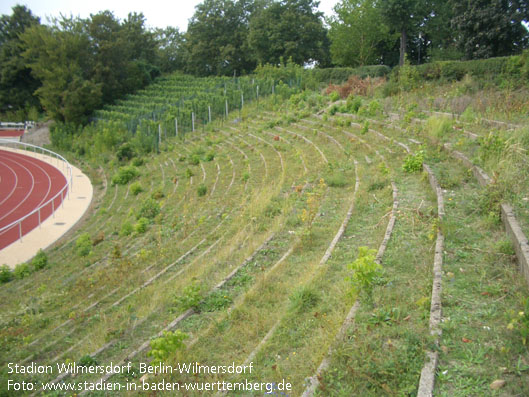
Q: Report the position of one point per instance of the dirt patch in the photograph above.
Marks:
(38, 135)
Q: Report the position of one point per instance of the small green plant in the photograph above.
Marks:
(158, 194)
(40, 260)
(83, 245)
(21, 270)
(365, 128)
(366, 271)
(141, 226)
(353, 103)
(189, 173)
(210, 156)
(137, 161)
(520, 322)
(136, 188)
(165, 346)
(309, 213)
(245, 176)
(87, 361)
(6, 274)
(149, 209)
(202, 190)
(125, 175)
(303, 299)
(413, 162)
(190, 298)
(194, 160)
(126, 229)
(217, 300)
(334, 96)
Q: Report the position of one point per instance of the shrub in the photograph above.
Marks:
(189, 173)
(40, 260)
(6, 274)
(413, 162)
(210, 156)
(141, 226)
(158, 194)
(87, 361)
(202, 190)
(21, 270)
(83, 245)
(190, 298)
(137, 162)
(353, 103)
(136, 188)
(125, 152)
(194, 160)
(125, 175)
(167, 345)
(366, 271)
(334, 96)
(126, 229)
(149, 209)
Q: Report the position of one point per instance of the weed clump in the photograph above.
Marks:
(413, 162)
(83, 245)
(366, 271)
(125, 175)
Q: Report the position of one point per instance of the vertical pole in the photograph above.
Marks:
(159, 134)
(226, 108)
(257, 95)
(209, 113)
(176, 126)
(242, 100)
(193, 121)
(273, 88)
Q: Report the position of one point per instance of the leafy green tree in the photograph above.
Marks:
(216, 39)
(170, 49)
(60, 57)
(358, 33)
(289, 29)
(404, 17)
(17, 85)
(490, 28)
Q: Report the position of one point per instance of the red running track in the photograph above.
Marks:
(26, 183)
(11, 133)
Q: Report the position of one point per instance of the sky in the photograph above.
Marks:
(159, 13)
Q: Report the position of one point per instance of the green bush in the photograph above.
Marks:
(6, 274)
(136, 188)
(217, 300)
(137, 161)
(210, 156)
(21, 270)
(141, 226)
(202, 190)
(125, 175)
(366, 271)
(413, 162)
(162, 348)
(40, 260)
(83, 245)
(126, 229)
(190, 298)
(125, 152)
(194, 160)
(149, 209)
(353, 103)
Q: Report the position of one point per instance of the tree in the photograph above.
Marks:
(170, 49)
(490, 28)
(17, 85)
(289, 29)
(60, 57)
(216, 39)
(404, 17)
(358, 33)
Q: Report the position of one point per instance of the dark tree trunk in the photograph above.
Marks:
(403, 39)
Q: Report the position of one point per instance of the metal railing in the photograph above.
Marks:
(65, 191)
